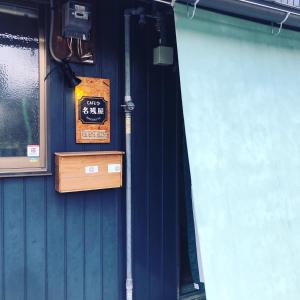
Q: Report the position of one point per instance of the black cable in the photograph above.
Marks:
(50, 72)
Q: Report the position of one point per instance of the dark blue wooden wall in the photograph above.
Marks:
(155, 156)
(72, 246)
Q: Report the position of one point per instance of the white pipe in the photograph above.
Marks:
(18, 11)
(248, 2)
(128, 107)
(165, 2)
(51, 33)
(270, 7)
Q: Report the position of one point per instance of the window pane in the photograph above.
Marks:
(19, 85)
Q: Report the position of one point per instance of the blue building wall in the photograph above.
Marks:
(72, 246)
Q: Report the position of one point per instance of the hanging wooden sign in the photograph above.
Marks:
(92, 107)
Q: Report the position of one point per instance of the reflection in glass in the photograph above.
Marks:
(19, 85)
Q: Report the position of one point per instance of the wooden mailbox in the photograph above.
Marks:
(84, 171)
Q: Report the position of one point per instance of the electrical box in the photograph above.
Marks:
(77, 20)
(84, 171)
(163, 56)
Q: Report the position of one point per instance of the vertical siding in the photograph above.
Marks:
(155, 151)
(72, 246)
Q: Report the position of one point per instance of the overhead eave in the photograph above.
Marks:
(260, 10)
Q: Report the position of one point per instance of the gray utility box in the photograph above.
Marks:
(77, 20)
(163, 56)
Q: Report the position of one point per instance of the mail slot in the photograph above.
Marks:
(84, 171)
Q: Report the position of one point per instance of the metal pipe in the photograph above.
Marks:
(18, 11)
(128, 108)
(270, 7)
(247, 2)
(51, 33)
(164, 2)
(127, 56)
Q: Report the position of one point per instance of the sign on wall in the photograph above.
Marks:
(92, 106)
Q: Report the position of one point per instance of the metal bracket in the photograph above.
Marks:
(128, 104)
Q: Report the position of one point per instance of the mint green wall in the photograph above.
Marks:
(241, 101)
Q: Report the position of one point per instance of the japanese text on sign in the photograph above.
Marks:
(93, 110)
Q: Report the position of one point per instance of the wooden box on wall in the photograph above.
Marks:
(84, 171)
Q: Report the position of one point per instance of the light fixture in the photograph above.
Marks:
(69, 75)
